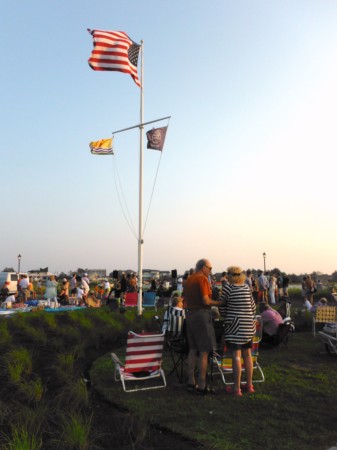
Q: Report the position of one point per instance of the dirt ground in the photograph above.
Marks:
(119, 430)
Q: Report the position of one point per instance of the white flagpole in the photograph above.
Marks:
(140, 228)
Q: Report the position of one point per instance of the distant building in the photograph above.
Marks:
(149, 274)
(39, 274)
(165, 274)
(95, 274)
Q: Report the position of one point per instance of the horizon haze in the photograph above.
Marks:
(248, 164)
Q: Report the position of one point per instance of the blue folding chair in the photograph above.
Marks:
(150, 300)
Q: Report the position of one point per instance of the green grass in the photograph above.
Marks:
(5, 336)
(22, 439)
(76, 432)
(33, 417)
(27, 331)
(74, 396)
(18, 363)
(299, 391)
(32, 389)
(44, 402)
(44, 359)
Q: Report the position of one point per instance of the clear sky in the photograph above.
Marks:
(249, 164)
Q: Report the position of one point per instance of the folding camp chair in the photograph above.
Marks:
(323, 314)
(281, 336)
(142, 362)
(329, 340)
(150, 300)
(334, 296)
(223, 363)
(285, 308)
(173, 321)
(175, 339)
(219, 331)
(131, 299)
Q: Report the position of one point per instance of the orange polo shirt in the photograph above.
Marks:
(196, 288)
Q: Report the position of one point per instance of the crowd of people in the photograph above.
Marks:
(77, 290)
(236, 304)
(25, 290)
(239, 300)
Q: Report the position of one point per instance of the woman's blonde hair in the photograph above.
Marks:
(236, 275)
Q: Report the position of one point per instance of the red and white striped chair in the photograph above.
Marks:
(142, 362)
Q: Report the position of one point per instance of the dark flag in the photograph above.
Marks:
(156, 138)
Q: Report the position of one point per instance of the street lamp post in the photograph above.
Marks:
(19, 260)
(264, 261)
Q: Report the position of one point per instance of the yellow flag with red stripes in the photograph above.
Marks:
(102, 147)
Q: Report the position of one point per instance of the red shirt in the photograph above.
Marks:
(196, 288)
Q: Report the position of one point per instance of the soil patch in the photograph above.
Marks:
(116, 427)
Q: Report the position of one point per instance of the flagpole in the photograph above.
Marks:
(140, 228)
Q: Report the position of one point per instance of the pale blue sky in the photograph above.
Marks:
(249, 161)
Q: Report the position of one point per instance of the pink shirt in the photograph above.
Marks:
(271, 319)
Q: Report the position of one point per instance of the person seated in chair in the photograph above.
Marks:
(4, 293)
(321, 302)
(175, 310)
(271, 320)
(92, 301)
(320, 326)
(177, 303)
(10, 300)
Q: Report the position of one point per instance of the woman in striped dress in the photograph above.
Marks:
(239, 321)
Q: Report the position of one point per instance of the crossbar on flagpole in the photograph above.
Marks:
(141, 125)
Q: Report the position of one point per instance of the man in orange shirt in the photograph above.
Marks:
(199, 325)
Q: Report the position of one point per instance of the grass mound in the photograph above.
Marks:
(299, 391)
(49, 360)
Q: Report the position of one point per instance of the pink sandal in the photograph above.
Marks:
(249, 390)
(230, 390)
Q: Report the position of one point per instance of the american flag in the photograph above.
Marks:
(114, 50)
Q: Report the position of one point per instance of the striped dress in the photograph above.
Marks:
(238, 312)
